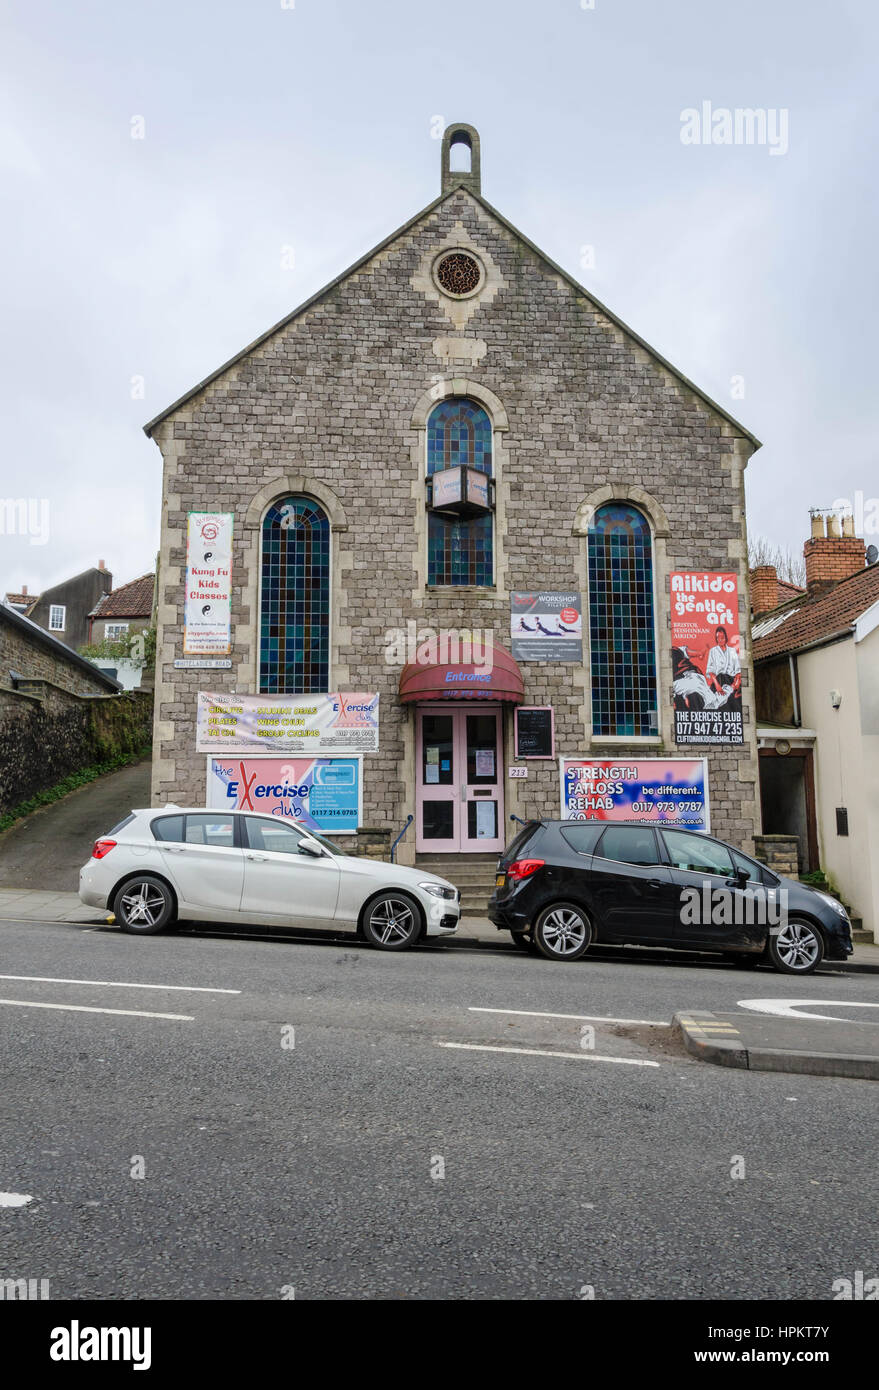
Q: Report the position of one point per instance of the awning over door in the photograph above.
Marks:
(502, 680)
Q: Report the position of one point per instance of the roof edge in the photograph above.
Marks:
(401, 231)
(39, 634)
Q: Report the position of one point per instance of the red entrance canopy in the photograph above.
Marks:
(501, 680)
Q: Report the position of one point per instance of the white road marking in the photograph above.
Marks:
(585, 1018)
(541, 1052)
(119, 984)
(790, 1008)
(14, 1199)
(85, 1009)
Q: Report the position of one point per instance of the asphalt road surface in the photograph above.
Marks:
(430, 1128)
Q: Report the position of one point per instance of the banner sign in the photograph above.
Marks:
(317, 793)
(207, 620)
(287, 723)
(706, 657)
(547, 627)
(671, 791)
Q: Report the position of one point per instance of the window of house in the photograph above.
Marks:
(294, 650)
(460, 550)
(57, 617)
(621, 623)
(113, 631)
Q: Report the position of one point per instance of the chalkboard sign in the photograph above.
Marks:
(534, 731)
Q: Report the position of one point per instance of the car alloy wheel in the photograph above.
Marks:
(562, 932)
(797, 948)
(391, 922)
(143, 906)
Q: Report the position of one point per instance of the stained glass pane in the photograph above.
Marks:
(294, 657)
(621, 630)
(459, 552)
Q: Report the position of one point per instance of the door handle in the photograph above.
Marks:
(175, 849)
(463, 791)
(656, 883)
(257, 858)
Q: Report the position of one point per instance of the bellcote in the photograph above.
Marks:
(467, 135)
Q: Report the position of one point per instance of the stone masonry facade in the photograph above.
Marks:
(334, 404)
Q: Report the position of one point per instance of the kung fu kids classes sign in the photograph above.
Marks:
(706, 657)
(207, 612)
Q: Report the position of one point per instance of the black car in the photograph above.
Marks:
(562, 885)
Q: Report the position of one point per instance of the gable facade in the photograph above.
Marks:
(335, 406)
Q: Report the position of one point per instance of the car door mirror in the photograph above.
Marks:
(309, 847)
(740, 877)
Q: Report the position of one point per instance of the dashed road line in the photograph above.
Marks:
(584, 1018)
(86, 1009)
(542, 1052)
(119, 984)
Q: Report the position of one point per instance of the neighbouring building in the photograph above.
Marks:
(64, 609)
(20, 602)
(50, 725)
(452, 422)
(816, 656)
(118, 616)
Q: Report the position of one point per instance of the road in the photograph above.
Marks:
(403, 1147)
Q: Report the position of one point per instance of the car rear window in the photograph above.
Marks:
(168, 828)
(516, 845)
(582, 836)
(122, 824)
(629, 844)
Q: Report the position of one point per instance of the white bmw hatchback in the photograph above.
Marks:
(176, 863)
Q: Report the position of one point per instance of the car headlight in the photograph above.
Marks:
(835, 904)
(439, 890)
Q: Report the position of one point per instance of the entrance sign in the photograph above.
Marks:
(649, 791)
(287, 723)
(547, 626)
(207, 614)
(317, 793)
(534, 731)
(706, 657)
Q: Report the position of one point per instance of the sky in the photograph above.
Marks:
(176, 177)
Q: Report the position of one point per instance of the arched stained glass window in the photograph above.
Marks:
(459, 551)
(621, 627)
(294, 638)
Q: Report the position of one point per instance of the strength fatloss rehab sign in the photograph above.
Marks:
(287, 723)
(207, 620)
(706, 657)
(670, 791)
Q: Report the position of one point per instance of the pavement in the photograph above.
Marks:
(208, 1114)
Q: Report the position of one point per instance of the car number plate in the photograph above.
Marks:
(500, 880)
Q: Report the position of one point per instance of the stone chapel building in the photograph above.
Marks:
(594, 468)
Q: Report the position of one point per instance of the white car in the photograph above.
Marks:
(244, 868)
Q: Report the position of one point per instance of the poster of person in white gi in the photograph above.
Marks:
(706, 658)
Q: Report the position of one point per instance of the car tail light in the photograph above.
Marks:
(524, 868)
(102, 847)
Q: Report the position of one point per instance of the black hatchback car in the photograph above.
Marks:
(562, 885)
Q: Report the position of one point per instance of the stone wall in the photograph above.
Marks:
(335, 405)
(27, 655)
(47, 733)
(779, 853)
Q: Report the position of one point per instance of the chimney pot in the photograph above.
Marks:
(848, 525)
(833, 527)
(101, 565)
(817, 525)
(24, 588)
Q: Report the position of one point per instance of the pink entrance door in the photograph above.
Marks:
(459, 786)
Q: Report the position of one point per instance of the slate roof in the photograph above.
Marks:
(804, 621)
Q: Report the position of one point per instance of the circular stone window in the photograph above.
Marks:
(458, 274)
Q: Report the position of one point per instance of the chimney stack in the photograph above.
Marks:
(832, 553)
(764, 588)
(24, 589)
(101, 565)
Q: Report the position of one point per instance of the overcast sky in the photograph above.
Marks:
(269, 124)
